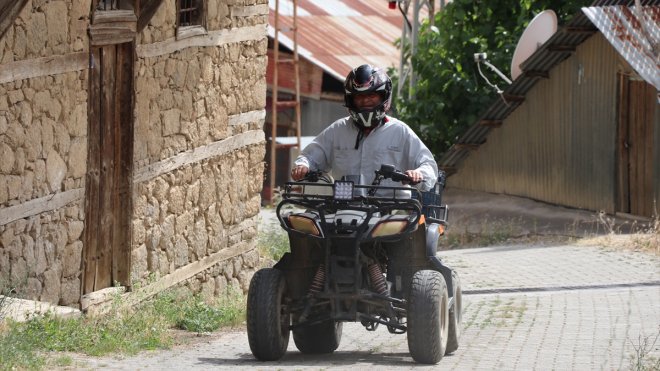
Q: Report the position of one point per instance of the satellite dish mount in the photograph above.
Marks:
(536, 34)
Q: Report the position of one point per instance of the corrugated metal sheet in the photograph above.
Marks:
(559, 47)
(559, 145)
(339, 35)
(632, 37)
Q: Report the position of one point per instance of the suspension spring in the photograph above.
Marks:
(377, 279)
(318, 281)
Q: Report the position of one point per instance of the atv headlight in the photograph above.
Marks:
(304, 224)
(343, 190)
(389, 227)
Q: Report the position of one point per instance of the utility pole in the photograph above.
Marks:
(409, 36)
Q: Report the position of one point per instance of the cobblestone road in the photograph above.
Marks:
(543, 308)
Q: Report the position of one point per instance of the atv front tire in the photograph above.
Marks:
(428, 317)
(267, 323)
(321, 338)
(455, 316)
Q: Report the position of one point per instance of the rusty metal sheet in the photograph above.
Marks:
(340, 35)
(634, 38)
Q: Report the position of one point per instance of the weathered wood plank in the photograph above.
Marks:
(199, 154)
(213, 38)
(92, 202)
(190, 270)
(247, 117)
(112, 16)
(46, 66)
(108, 176)
(147, 10)
(249, 10)
(9, 10)
(40, 205)
(137, 295)
(623, 201)
(121, 262)
(190, 31)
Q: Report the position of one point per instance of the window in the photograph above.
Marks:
(114, 5)
(190, 13)
(191, 18)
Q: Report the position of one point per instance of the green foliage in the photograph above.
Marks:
(121, 331)
(198, 316)
(450, 95)
(273, 243)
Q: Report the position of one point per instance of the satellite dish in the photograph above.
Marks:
(538, 32)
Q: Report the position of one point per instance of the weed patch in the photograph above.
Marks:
(25, 345)
(272, 243)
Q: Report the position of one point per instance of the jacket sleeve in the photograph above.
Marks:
(422, 159)
(317, 154)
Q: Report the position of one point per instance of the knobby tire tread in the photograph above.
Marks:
(267, 341)
(455, 317)
(424, 332)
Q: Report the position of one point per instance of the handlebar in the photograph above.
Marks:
(389, 171)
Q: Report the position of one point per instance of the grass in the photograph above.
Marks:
(152, 325)
(645, 239)
(642, 360)
(272, 243)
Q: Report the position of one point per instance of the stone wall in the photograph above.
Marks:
(46, 28)
(43, 147)
(193, 223)
(184, 102)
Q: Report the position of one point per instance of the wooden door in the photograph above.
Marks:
(635, 146)
(110, 160)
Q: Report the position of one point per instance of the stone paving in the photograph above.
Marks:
(525, 308)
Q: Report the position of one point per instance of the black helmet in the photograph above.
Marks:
(368, 79)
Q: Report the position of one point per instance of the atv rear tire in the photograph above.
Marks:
(455, 316)
(321, 338)
(267, 323)
(428, 317)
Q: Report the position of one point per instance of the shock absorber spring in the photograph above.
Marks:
(377, 279)
(318, 281)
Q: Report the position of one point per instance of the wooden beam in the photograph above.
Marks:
(536, 73)
(449, 170)
(111, 27)
(468, 146)
(584, 30)
(46, 66)
(561, 48)
(491, 123)
(247, 117)
(248, 11)
(189, 271)
(213, 38)
(113, 16)
(147, 10)
(9, 10)
(199, 154)
(513, 98)
(40, 205)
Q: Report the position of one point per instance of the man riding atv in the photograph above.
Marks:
(360, 252)
(360, 143)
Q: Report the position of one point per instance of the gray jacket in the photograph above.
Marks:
(392, 143)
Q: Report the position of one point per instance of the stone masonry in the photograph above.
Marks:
(192, 99)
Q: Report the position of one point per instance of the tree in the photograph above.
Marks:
(450, 95)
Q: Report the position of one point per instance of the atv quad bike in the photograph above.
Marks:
(359, 253)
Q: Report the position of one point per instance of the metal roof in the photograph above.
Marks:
(339, 35)
(559, 47)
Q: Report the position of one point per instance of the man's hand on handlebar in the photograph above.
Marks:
(299, 172)
(414, 175)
